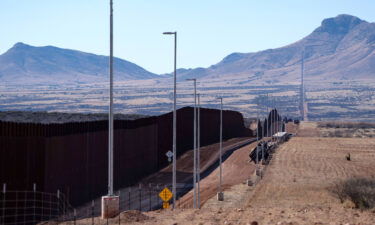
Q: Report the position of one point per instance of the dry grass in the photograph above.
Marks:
(361, 191)
(346, 129)
(349, 125)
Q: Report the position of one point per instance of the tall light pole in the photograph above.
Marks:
(302, 88)
(258, 122)
(174, 118)
(274, 114)
(195, 144)
(110, 203)
(110, 136)
(199, 153)
(268, 122)
(220, 194)
(257, 108)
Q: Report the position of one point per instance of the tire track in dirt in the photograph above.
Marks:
(303, 168)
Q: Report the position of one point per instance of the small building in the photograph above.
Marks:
(281, 136)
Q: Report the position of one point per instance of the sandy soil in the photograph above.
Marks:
(295, 188)
(236, 169)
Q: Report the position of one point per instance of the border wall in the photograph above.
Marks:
(73, 157)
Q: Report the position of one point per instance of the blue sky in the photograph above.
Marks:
(208, 30)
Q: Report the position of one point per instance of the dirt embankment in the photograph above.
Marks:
(208, 155)
(236, 169)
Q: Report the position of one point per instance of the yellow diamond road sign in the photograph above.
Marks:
(165, 194)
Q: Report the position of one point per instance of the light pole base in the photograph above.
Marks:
(220, 196)
(110, 206)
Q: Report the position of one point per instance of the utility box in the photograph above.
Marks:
(220, 196)
(110, 206)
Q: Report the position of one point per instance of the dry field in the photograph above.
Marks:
(296, 189)
(349, 100)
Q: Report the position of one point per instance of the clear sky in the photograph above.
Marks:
(208, 30)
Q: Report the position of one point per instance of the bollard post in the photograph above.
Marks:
(50, 207)
(24, 207)
(149, 190)
(75, 214)
(58, 204)
(34, 189)
(16, 202)
(4, 193)
(107, 211)
(129, 197)
(157, 191)
(42, 196)
(92, 212)
(119, 214)
(140, 198)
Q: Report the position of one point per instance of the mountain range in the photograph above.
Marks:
(342, 48)
(25, 63)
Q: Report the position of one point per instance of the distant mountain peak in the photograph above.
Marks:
(340, 24)
(232, 57)
(20, 45)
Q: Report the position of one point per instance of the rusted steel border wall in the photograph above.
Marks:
(72, 157)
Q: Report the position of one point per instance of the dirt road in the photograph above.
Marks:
(236, 169)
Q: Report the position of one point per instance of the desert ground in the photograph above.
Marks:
(298, 185)
(346, 100)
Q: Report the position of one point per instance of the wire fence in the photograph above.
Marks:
(142, 198)
(33, 207)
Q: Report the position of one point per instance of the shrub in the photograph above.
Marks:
(361, 191)
(349, 125)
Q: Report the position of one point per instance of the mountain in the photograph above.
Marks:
(25, 63)
(342, 48)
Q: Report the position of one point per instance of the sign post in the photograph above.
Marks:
(165, 195)
(169, 154)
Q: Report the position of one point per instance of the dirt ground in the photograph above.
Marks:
(208, 155)
(235, 169)
(295, 189)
